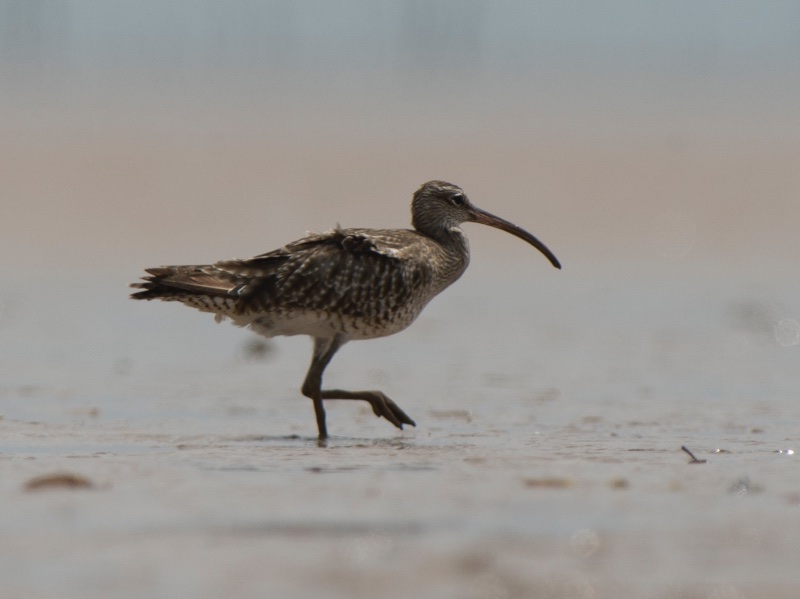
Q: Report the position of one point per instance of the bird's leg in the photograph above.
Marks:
(324, 348)
(381, 404)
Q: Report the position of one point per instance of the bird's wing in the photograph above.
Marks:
(348, 271)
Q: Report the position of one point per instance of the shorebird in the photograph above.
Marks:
(342, 285)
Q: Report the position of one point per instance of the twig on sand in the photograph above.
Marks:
(694, 460)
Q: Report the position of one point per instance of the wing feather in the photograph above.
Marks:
(368, 274)
(354, 272)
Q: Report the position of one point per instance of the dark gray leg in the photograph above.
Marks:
(324, 349)
(381, 404)
(323, 352)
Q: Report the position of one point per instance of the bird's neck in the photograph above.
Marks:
(454, 248)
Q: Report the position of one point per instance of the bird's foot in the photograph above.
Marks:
(383, 406)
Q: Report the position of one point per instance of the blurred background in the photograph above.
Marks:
(653, 146)
(622, 132)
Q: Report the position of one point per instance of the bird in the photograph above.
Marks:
(340, 285)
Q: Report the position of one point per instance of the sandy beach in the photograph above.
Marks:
(546, 462)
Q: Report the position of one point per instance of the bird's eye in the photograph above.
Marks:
(457, 199)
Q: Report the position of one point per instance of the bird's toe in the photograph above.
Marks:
(400, 414)
(385, 407)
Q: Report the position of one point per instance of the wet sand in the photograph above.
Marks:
(546, 462)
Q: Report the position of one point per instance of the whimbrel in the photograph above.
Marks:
(341, 285)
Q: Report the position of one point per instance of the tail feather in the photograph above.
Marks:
(179, 282)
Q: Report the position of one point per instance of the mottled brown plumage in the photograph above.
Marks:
(341, 285)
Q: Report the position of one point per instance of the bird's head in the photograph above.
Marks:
(439, 206)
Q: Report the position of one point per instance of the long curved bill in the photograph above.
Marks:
(485, 218)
